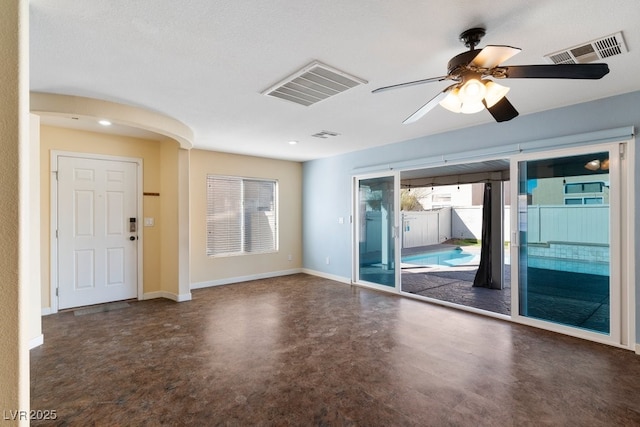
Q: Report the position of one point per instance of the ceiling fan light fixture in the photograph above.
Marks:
(495, 92)
(452, 101)
(472, 107)
(457, 103)
(472, 70)
(596, 164)
(472, 91)
(593, 165)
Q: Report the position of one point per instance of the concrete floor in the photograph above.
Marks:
(302, 350)
(455, 285)
(573, 299)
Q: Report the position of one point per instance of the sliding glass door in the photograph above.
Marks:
(376, 230)
(567, 241)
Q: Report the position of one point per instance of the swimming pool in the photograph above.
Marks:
(449, 258)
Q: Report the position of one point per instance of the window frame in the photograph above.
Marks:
(585, 200)
(242, 212)
(567, 185)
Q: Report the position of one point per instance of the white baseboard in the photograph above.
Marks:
(167, 295)
(184, 297)
(333, 277)
(46, 311)
(239, 279)
(36, 342)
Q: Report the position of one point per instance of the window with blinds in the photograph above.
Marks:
(241, 216)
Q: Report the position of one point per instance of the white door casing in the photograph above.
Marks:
(97, 259)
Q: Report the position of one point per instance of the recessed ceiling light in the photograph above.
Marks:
(105, 122)
(292, 142)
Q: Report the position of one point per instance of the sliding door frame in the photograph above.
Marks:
(355, 274)
(621, 205)
(586, 142)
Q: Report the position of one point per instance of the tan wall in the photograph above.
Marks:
(161, 242)
(289, 175)
(154, 158)
(14, 201)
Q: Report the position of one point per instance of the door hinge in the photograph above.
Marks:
(622, 151)
(56, 233)
(56, 291)
(56, 174)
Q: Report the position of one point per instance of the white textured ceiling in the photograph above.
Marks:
(206, 62)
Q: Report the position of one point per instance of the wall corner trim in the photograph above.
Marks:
(36, 342)
(183, 297)
(167, 295)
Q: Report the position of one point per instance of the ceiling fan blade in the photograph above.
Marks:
(559, 71)
(428, 106)
(492, 56)
(414, 83)
(502, 110)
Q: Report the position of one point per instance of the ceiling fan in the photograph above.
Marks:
(473, 91)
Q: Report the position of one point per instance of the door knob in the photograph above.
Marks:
(132, 238)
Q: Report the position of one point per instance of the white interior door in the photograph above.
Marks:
(97, 231)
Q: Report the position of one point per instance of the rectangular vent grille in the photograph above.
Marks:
(312, 84)
(595, 50)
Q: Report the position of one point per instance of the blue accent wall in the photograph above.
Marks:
(327, 182)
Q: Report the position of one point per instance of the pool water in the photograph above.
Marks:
(450, 258)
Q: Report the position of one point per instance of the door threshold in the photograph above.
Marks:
(98, 308)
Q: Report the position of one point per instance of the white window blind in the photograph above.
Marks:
(241, 216)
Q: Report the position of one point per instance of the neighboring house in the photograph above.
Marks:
(463, 195)
(572, 190)
(451, 195)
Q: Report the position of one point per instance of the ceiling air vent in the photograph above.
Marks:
(313, 83)
(595, 50)
(324, 134)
